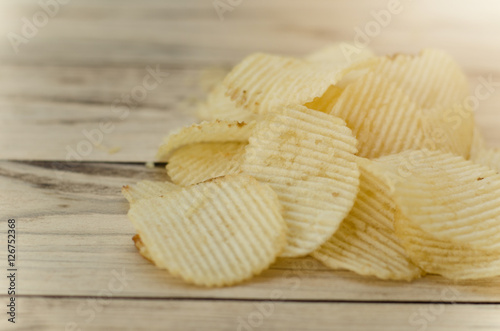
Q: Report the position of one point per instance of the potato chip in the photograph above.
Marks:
(147, 189)
(449, 219)
(478, 144)
(489, 157)
(381, 116)
(216, 233)
(448, 130)
(262, 83)
(218, 106)
(205, 132)
(386, 121)
(366, 242)
(482, 154)
(307, 157)
(197, 163)
(432, 79)
(142, 248)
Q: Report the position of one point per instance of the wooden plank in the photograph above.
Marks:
(74, 236)
(46, 117)
(89, 314)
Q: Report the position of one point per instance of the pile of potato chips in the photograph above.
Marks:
(370, 164)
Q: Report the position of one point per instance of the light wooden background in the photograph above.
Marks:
(73, 235)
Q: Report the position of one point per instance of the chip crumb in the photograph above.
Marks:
(114, 150)
(150, 165)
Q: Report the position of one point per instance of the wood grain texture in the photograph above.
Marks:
(74, 237)
(117, 314)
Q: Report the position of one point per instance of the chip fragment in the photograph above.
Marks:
(307, 157)
(449, 213)
(147, 189)
(205, 132)
(219, 106)
(142, 248)
(216, 233)
(197, 163)
(366, 242)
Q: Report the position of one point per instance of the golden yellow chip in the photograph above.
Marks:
(263, 83)
(307, 157)
(147, 189)
(449, 219)
(366, 242)
(216, 233)
(197, 163)
(205, 132)
(219, 106)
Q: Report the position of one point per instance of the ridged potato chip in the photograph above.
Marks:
(432, 78)
(307, 157)
(216, 233)
(449, 212)
(147, 189)
(382, 118)
(197, 163)
(205, 132)
(262, 83)
(366, 242)
(386, 121)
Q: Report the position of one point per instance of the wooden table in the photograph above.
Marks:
(77, 266)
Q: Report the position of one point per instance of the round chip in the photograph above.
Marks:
(197, 163)
(215, 233)
(449, 219)
(431, 79)
(382, 118)
(205, 132)
(147, 189)
(366, 242)
(386, 121)
(307, 157)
